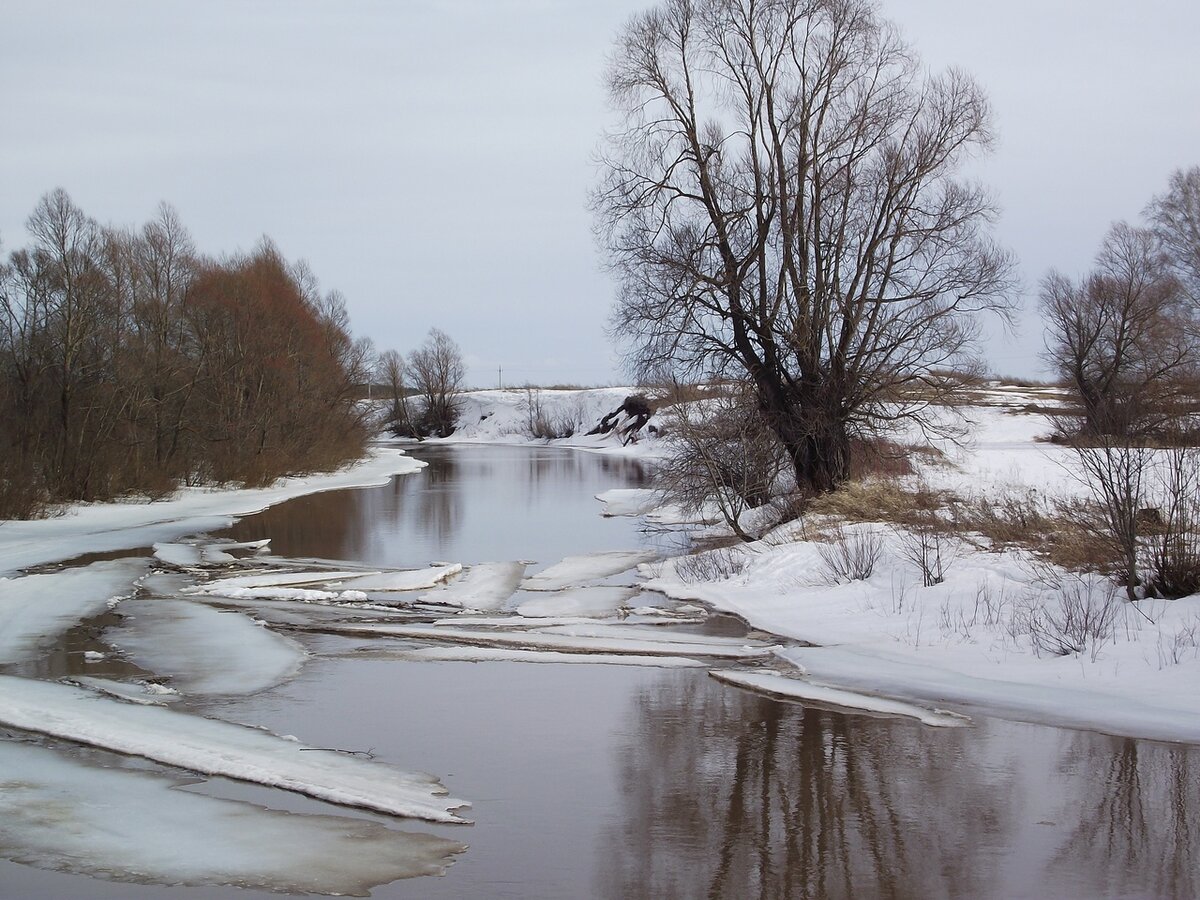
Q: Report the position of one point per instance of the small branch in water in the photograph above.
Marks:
(366, 754)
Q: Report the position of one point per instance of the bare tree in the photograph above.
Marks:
(437, 371)
(391, 371)
(1175, 218)
(1123, 338)
(780, 204)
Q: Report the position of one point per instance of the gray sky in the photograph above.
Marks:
(431, 158)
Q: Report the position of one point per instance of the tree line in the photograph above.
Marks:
(129, 362)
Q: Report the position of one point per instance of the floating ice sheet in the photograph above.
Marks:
(603, 600)
(577, 570)
(484, 587)
(630, 501)
(205, 650)
(136, 827)
(649, 645)
(796, 689)
(143, 692)
(35, 609)
(409, 580)
(219, 748)
(504, 654)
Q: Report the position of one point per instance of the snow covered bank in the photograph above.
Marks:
(219, 748)
(101, 527)
(136, 827)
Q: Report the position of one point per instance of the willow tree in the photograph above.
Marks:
(782, 203)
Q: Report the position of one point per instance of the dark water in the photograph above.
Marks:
(615, 782)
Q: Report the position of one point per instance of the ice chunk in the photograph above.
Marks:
(577, 570)
(271, 579)
(205, 650)
(583, 601)
(410, 580)
(219, 748)
(146, 693)
(719, 648)
(795, 689)
(484, 587)
(504, 654)
(630, 501)
(137, 827)
(35, 609)
(182, 556)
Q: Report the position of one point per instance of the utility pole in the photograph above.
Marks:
(500, 377)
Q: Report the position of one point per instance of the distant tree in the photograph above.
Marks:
(780, 203)
(436, 370)
(1175, 218)
(391, 371)
(1124, 337)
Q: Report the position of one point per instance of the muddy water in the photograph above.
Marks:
(616, 782)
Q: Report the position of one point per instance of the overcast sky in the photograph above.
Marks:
(431, 158)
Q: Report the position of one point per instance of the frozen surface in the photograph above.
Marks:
(503, 654)
(484, 587)
(205, 650)
(101, 527)
(578, 570)
(795, 689)
(141, 692)
(219, 748)
(36, 609)
(630, 501)
(182, 556)
(410, 580)
(652, 644)
(603, 600)
(272, 579)
(137, 827)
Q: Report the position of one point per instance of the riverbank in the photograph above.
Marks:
(85, 528)
(1003, 633)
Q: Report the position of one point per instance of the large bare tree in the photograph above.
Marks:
(781, 203)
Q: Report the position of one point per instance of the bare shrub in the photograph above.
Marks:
(1174, 566)
(929, 546)
(543, 425)
(1083, 620)
(436, 369)
(851, 554)
(1179, 645)
(722, 454)
(720, 564)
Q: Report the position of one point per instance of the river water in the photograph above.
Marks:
(625, 782)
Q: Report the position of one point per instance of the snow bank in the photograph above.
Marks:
(204, 650)
(36, 609)
(101, 527)
(136, 827)
(218, 748)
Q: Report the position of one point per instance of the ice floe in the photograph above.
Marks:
(649, 643)
(36, 609)
(630, 501)
(205, 650)
(504, 654)
(789, 688)
(138, 827)
(602, 600)
(147, 693)
(219, 748)
(484, 587)
(407, 580)
(578, 570)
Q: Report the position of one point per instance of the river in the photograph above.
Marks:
(630, 782)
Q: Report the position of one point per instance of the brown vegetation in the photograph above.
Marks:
(129, 364)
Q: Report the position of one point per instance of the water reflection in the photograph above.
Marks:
(725, 794)
(470, 504)
(1137, 820)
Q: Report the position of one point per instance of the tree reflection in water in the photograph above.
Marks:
(726, 794)
(1138, 819)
